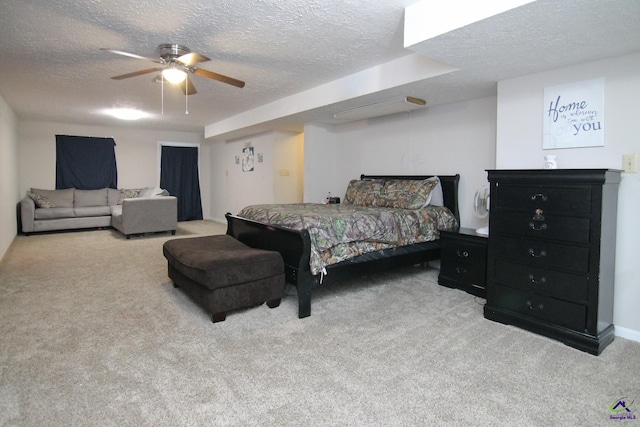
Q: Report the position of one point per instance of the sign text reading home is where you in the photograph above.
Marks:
(573, 115)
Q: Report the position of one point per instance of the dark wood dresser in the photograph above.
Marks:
(551, 253)
(463, 261)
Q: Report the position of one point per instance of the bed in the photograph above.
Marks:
(303, 243)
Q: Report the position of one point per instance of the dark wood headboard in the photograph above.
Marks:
(449, 187)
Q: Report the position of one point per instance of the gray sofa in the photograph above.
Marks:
(133, 211)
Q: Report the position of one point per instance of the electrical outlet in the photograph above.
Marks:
(630, 163)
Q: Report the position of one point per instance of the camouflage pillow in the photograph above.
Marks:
(128, 194)
(406, 194)
(362, 192)
(40, 200)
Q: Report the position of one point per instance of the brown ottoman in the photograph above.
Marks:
(223, 274)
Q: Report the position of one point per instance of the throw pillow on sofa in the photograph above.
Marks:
(152, 192)
(40, 200)
(60, 198)
(140, 192)
(128, 194)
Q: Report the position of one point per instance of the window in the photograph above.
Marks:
(85, 163)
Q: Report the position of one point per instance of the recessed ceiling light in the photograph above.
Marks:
(126, 113)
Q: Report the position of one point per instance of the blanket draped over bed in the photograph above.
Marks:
(342, 231)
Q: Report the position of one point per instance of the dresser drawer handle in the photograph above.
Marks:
(462, 254)
(539, 255)
(461, 270)
(539, 196)
(532, 225)
(533, 307)
(533, 280)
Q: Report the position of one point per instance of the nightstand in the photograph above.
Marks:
(463, 261)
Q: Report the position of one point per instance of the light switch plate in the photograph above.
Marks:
(630, 163)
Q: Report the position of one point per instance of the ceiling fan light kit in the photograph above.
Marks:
(174, 75)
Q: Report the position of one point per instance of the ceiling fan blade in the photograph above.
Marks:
(219, 77)
(136, 73)
(192, 58)
(132, 55)
(190, 87)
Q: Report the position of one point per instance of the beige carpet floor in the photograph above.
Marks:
(92, 333)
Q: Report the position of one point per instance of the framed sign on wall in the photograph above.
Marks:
(573, 115)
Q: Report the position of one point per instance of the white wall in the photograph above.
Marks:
(9, 188)
(445, 140)
(288, 157)
(232, 188)
(321, 163)
(519, 146)
(136, 154)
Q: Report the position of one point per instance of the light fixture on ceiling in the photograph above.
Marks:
(173, 74)
(126, 113)
(382, 108)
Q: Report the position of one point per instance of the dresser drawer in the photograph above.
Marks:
(570, 287)
(541, 254)
(574, 200)
(471, 274)
(561, 313)
(540, 225)
(457, 251)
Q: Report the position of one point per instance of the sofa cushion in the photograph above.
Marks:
(92, 211)
(84, 198)
(113, 195)
(54, 213)
(60, 198)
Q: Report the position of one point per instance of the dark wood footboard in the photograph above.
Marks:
(293, 245)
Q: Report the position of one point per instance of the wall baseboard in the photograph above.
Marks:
(220, 220)
(627, 333)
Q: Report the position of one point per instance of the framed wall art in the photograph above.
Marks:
(573, 115)
(247, 159)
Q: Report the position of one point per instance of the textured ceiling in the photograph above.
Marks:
(52, 68)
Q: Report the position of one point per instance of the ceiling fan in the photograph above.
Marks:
(176, 62)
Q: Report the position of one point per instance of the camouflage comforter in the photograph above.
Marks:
(339, 232)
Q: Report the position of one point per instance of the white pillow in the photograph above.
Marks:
(436, 198)
(146, 192)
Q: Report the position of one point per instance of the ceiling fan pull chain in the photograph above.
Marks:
(186, 98)
(162, 94)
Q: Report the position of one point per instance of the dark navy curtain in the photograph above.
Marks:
(179, 176)
(85, 163)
